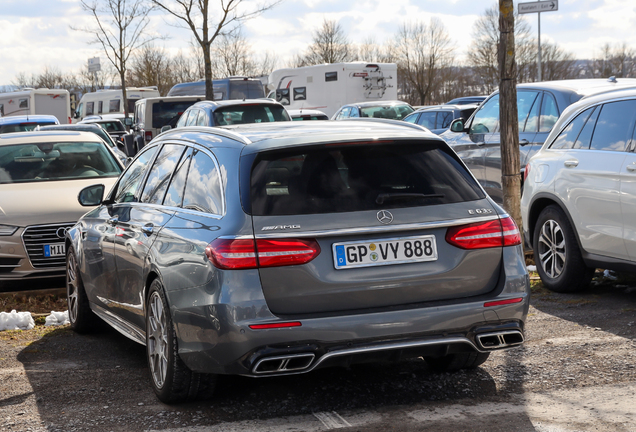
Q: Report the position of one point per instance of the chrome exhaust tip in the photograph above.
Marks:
(499, 340)
(283, 364)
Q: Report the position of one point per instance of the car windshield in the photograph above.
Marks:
(113, 126)
(253, 113)
(395, 112)
(359, 177)
(33, 162)
(23, 127)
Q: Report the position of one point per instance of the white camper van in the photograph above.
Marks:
(110, 101)
(327, 87)
(31, 101)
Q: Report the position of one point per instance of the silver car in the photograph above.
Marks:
(579, 196)
(41, 174)
(279, 248)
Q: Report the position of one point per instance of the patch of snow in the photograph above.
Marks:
(16, 321)
(56, 319)
(531, 268)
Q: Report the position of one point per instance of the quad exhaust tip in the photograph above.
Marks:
(284, 364)
(499, 340)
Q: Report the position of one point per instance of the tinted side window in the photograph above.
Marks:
(549, 113)
(183, 119)
(532, 123)
(202, 119)
(127, 188)
(100, 107)
(174, 196)
(614, 126)
(300, 93)
(90, 108)
(192, 118)
(583, 141)
(566, 138)
(427, 119)
(114, 105)
(487, 118)
(444, 119)
(160, 173)
(344, 113)
(412, 118)
(203, 188)
(525, 100)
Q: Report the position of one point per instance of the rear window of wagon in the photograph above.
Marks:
(357, 177)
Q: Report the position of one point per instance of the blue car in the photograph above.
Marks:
(25, 123)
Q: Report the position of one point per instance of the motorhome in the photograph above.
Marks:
(110, 101)
(327, 87)
(224, 89)
(31, 101)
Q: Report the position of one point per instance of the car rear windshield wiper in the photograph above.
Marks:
(404, 196)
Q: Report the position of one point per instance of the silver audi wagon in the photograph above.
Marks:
(279, 248)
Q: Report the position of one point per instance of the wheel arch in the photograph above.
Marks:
(538, 204)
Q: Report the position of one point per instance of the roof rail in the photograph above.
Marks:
(390, 121)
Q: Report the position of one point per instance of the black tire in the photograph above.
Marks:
(557, 254)
(170, 378)
(80, 315)
(457, 361)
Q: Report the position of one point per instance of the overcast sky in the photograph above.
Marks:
(35, 34)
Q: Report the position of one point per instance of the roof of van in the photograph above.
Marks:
(28, 119)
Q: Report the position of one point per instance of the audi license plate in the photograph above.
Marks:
(53, 250)
(384, 252)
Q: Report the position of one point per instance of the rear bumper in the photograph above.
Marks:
(215, 335)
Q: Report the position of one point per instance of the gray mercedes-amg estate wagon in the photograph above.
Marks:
(279, 248)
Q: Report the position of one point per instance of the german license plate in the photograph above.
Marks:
(53, 250)
(384, 252)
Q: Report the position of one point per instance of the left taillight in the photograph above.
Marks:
(481, 235)
(148, 136)
(234, 254)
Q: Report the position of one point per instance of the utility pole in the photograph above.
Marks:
(510, 165)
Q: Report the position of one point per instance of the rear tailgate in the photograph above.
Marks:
(380, 215)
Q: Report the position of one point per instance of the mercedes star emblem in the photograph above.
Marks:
(385, 217)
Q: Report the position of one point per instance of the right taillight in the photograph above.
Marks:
(526, 172)
(231, 254)
(148, 136)
(481, 235)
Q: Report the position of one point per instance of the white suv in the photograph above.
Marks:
(579, 196)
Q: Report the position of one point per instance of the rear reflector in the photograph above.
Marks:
(481, 235)
(275, 325)
(503, 302)
(148, 136)
(244, 254)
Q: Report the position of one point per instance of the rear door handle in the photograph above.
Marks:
(631, 168)
(571, 163)
(113, 221)
(524, 142)
(147, 229)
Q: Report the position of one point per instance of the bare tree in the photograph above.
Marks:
(120, 28)
(233, 55)
(556, 64)
(423, 52)
(371, 51)
(186, 68)
(151, 66)
(209, 20)
(330, 45)
(483, 55)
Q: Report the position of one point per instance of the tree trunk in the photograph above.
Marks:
(207, 62)
(124, 97)
(510, 172)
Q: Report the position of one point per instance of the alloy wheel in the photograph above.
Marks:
(551, 248)
(157, 339)
(71, 288)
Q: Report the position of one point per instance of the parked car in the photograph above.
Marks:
(232, 112)
(467, 100)
(41, 174)
(307, 114)
(579, 196)
(152, 114)
(394, 110)
(539, 105)
(113, 127)
(118, 147)
(275, 249)
(437, 118)
(25, 123)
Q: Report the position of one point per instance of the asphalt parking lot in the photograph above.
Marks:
(576, 372)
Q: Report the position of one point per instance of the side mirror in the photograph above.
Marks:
(129, 145)
(91, 195)
(166, 128)
(75, 114)
(128, 121)
(457, 125)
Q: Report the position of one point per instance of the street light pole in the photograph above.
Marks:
(539, 48)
